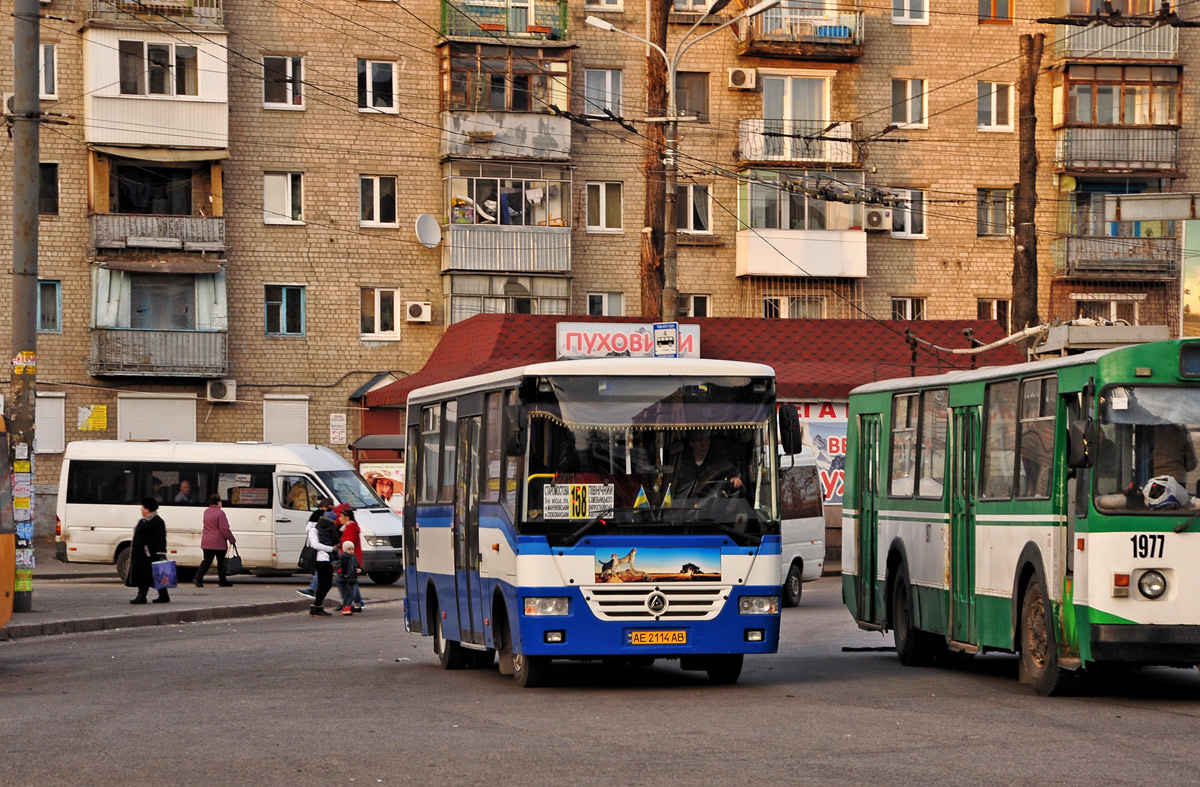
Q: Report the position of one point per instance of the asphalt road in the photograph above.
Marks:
(293, 700)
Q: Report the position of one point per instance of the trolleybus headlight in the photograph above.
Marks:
(1152, 584)
(547, 605)
(758, 605)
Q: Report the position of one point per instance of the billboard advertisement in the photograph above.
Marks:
(387, 479)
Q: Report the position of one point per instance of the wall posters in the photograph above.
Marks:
(827, 426)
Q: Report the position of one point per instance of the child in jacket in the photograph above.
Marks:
(347, 576)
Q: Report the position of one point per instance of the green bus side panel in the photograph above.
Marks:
(993, 622)
(850, 593)
(1085, 617)
(931, 609)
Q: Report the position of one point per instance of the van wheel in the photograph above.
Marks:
(792, 586)
(450, 654)
(123, 562)
(384, 577)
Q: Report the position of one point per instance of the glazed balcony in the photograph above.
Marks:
(535, 20)
(796, 141)
(1116, 150)
(506, 249)
(1109, 258)
(125, 352)
(140, 231)
(198, 13)
(805, 30)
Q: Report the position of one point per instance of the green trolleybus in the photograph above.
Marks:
(1050, 509)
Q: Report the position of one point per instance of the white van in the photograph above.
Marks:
(802, 523)
(267, 491)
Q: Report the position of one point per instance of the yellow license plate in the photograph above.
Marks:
(658, 638)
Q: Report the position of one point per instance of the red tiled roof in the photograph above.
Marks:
(813, 359)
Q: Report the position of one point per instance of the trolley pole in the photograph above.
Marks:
(26, 181)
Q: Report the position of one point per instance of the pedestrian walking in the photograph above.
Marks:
(348, 570)
(215, 539)
(324, 509)
(149, 544)
(322, 536)
(353, 533)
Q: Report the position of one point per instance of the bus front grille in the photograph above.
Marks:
(629, 602)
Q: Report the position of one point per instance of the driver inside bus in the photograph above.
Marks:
(705, 470)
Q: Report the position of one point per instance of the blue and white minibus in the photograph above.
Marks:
(624, 509)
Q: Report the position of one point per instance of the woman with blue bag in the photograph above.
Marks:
(149, 544)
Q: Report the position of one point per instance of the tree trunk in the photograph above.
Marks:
(651, 264)
(1025, 263)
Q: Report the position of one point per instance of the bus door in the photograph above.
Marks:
(964, 455)
(466, 531)
(296, 496)
(868, 517)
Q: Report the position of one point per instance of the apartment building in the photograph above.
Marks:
(228, 203)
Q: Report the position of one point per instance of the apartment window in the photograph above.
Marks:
(49, 306)
(500, 193)
(995, 11)
(49, 417)
(282, 80)
(994, 309)
(48, 189)
(1105, 307)
(377, 86)
(993, 212)
(908, 215)
(908, 102)
(994, 108)
(1124, 7)
(910, 12)
(472, 294)
(605, 304)
(602, 90)
(1117, 95)
(793, 307)
(48, 72)
(485, 78)
(781, 200)
(695, 305)
(153, 69)
(691, 6)
(693, 208)
(604, 207)
(604, 5)
(691, 94)
(908, 308)
(284, 310)
(377, 318)
(283, 198)
(377, 201)
(163, 301)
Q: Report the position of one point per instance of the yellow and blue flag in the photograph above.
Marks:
(667, 497)
(641, 501)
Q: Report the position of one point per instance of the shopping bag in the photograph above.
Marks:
(164, 573)
(233, 564)
(308, 559)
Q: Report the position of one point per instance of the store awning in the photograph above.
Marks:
(176, 155)
(379, 442)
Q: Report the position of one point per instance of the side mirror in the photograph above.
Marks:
(790, 433)
(1081, 441)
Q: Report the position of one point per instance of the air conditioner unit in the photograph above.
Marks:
(221, 391)
(877, 220)
(8, 108)
(418, 311)
(742, 78)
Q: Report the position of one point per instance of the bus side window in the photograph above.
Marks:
(449, 451)
(999, 440)
(904, 445)
(1039, 400)
(494, 447)
(108, 483)
(512, 462)
(245, 486)
(297, 493)
(431, 435)
(177, 483)
(932, 476)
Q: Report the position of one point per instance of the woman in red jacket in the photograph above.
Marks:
(215, 540)
(351, 532)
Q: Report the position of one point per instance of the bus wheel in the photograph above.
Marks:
(530, 671)
(915, 648)
(450, 654)
(724, 669)
(123, 562)
(792, 586)
(384, 577)
(1039, 654)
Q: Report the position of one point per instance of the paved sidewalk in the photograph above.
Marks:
(72, 597)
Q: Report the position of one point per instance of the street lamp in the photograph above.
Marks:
(670, 293)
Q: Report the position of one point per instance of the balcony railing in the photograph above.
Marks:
(511, 249)
(1099, 257)
(802, 253)
(1117, 149)
(523, 135)
(532, 19)
(209, 13)
(819, 141)
(806, 31)
(124, 352)
(1104, 41)
(140, 231)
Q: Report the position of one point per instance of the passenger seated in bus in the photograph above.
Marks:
(1174, 454)
(185, 494)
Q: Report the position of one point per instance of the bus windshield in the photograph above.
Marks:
(1147, 432)
(646, 454)
(349, 487)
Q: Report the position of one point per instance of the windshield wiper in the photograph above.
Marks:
(1182, 526)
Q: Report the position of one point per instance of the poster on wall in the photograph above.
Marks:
(387, 479)
(1190, 299)
(827, 426)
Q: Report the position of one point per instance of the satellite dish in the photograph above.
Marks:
(429, 231)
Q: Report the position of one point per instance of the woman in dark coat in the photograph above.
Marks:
(149, 544)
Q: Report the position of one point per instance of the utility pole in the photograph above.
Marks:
(1025, 271)
(651, 264)
(26, 180)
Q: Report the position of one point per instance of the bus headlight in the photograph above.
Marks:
(1152, 584)
(547, 605)
(758, 605)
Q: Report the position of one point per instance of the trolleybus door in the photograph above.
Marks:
(466, 531)
(868, 517)
(964, 457)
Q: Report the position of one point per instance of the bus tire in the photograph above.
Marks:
(793, 586)
(122, 561)
(1039, 652)
(915, 648)
(450, 654)
(384, 577)
(724, 669)
(530, 671)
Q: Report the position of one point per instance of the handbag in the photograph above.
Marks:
(164, 574)
(233, 565)
(308, 559)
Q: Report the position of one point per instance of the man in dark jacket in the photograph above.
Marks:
(149, 544)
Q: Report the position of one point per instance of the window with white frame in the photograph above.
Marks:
(605, 304)
(993, 212)
(771, 199)
(604, 207)
(907, 308)
(377, 86)
(910, 12)
(604, 5)
(602, 90)
(48, 72)
(284, 305)
(691, 6)
(283, 76)
(793, 307)
(908, 214)
(693, 208)
(49, 418)
(472, 294)
(283, 198)
(1108, 306)
(994, 108)
(994, 309)
(908, 103)
(49, 306)
(377, 201)
(148, 68)
(377, 315)
(695, 305)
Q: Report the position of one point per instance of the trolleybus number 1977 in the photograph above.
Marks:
(1148, 545)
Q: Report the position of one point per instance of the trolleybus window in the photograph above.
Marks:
(904, 445)
(932, 446)
(999, 440)
(1036, 444)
